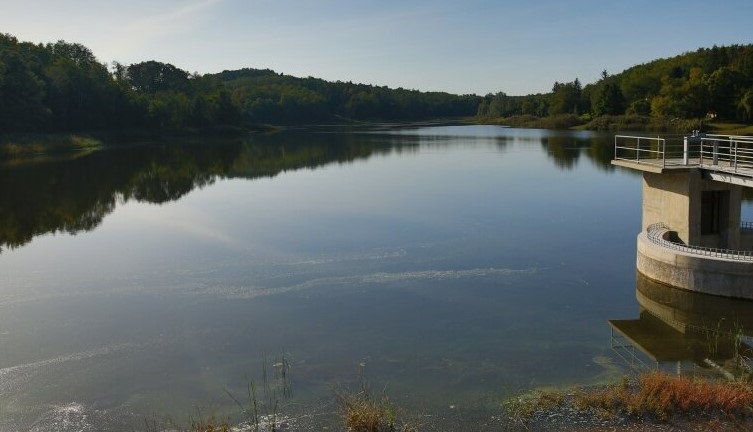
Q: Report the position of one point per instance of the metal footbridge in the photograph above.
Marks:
(726, 158)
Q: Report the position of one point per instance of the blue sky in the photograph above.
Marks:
(471, 46)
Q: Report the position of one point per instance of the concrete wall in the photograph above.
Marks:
(674, 198)
(666, 198)
(746, 239)
(729, 238)
(723, 277)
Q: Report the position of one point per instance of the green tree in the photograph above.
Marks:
(566, 98)
(151, 77)
(724, 88)
(745, 106)
(22, 94)
(609, 100)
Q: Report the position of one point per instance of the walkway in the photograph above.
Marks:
(722, 157)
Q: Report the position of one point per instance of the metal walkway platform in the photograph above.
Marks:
(722, 158)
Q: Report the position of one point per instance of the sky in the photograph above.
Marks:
(468, 46)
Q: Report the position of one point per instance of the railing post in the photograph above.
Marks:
(715, 154)
(685, 151)
(663, 153)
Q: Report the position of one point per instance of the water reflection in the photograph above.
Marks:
(459, 273)
(685, 331)
(75, 194)
(566, 150)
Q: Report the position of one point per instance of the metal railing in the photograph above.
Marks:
(640, 149)
(656, 234)
(625, 349)
(729, 154)
(712, 152)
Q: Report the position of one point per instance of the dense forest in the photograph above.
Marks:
(715, 83)
(62, 87)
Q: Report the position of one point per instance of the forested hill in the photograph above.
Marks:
(62, 87)
(710, 82)
(268, 97)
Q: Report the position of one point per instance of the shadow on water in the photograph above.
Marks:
(685, 332)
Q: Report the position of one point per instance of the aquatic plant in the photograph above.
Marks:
(262, 410)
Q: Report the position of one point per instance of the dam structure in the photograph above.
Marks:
(692, 235)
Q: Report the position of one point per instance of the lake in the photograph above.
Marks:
(448, 266)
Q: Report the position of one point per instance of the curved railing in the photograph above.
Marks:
(657, 233)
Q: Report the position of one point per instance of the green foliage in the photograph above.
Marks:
(561, 121)
(61, 87)
(708, 82)
(567, 98)
(646, 123)
(268, 97)
(609, 100)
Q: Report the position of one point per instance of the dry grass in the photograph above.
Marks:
(210, 426)
(662, 396)
(363, 413)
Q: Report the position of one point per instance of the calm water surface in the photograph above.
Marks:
(451, 266)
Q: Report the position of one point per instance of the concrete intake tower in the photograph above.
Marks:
(692, 236)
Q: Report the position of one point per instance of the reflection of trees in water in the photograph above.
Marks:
(74, 195)
(566, 150)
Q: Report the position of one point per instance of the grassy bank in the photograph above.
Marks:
(564, 121)
(730, 128)
(33, 144)
(650, 401)
(619, 123)
(650, 398)
(644, 124)
(20, 145)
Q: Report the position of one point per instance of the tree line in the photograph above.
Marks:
(712, 82)
(62, 87)
(266, 96)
